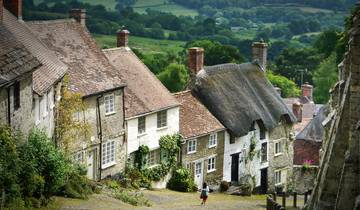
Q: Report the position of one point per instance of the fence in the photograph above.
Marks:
(272, 204)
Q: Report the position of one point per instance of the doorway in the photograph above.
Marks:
(199, 174)
(263, 181)
(90, 162)
(235, 167)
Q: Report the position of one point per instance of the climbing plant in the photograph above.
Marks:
(71, 124)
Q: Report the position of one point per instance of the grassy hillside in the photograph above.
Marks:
(163, 6)
(146, 45)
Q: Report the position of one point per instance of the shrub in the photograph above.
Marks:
(182, 180)
(133, 199)
(224, 186)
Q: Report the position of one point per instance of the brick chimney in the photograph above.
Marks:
(196, 60)
(123, 38)
(307, 91)
(297, 110)
(259, 53)
(15, 7)
(79, 15)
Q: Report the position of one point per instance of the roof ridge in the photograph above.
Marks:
(181, 92)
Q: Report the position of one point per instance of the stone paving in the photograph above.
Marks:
(164, 199)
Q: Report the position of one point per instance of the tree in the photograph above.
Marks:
(288, 87)
(174, 77)
(325, 76)
(326, 42)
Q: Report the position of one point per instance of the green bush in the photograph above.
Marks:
(182, 180)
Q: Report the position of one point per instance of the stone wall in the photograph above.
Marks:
(203, 152)
(338, 184)
(284, 161)
(304, 179)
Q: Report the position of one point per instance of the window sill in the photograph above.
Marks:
(162, 128)
(141, 135)
(212, 170)
(192, 152)
(278, 154)
(107, 165)
(212, 146)
(110, 113)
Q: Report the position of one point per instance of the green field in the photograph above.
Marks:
(163, 6)
(108, 4)
(145, 45)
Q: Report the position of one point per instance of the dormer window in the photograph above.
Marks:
(109, 104)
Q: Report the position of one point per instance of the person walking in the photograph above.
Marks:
(204, 193)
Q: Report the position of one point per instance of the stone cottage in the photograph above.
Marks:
(103, 149)
(258, 147)
(203, 135)
(31, 74)
(150, 110)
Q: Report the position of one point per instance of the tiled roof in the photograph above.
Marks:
(306, 150)
(15, 60)
(51, 70)
(89, 70)
(195, 119)
(144, 92)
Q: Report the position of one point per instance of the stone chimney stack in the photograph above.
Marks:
(123, 38)
(259, 53)
(79, 15)
(196, 60)
(15, 7)
(307, 91)
(297, 110)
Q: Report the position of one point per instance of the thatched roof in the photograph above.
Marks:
(238, 95)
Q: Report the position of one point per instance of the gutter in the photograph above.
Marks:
(99, 132)
(152, 112)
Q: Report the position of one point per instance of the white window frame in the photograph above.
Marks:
(278, 151)
(159, 117)
(278, 175)
(267, 153)
(141, 131)
(109, 107)
(78, 157)
(108, 154)
(191, 146)
(212, 140)
(152, 158)
(211, 164)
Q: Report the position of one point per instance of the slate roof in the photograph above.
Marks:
(144, 92)
(314, 131)
(89, 70)
(51, 70)
(239, 94)
(195, 119)
(15, 60)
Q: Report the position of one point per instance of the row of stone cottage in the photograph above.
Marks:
(231, 118)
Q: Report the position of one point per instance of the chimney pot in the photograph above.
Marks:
(307, 91)
(196, 60)
(297, 110)
(14, 6)
(259, 53)
(79, 15)
(123, 38)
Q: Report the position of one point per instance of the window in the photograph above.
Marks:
(16, 95)
(161, 119)
(278, 177)
(78, 157)
(188, 166)
(278, 148)
(108, 154)
(264, 152)
(152, 158)
(109, 104)
(211, 164)
(141, 125)
(212, 140)
(191, 146)
(232, 139)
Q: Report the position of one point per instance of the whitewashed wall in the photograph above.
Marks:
(241, 144)
(152, 134)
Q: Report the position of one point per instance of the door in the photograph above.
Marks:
(90, 165)
(263, 181)
(235, 167)
(198, 174)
